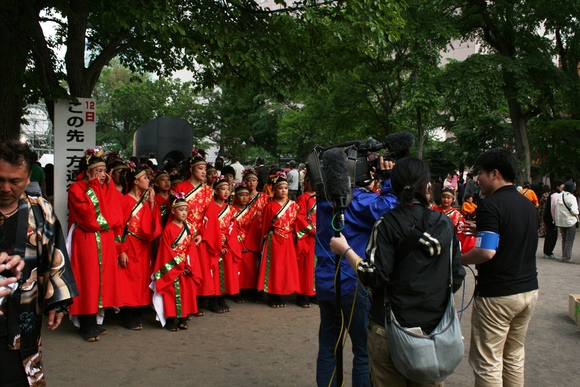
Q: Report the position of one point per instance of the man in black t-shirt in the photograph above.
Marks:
(507, 282)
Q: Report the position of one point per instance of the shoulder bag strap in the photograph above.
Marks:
(412, 238)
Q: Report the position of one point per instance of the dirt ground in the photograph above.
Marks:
(254, 345)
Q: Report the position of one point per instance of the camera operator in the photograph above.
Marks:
(419, 285)
(364, 209)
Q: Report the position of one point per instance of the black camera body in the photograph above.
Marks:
(360, 168)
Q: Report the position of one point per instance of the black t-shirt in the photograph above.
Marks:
(513, 268)
(7, 238)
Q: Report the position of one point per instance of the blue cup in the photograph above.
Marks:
(487, 240)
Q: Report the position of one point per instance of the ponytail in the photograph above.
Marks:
(409, 178)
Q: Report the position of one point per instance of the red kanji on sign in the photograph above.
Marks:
(90, 117)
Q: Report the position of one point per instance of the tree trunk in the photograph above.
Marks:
(12, 69)
(420, 134)
(520, 128)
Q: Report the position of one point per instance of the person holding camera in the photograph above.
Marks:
(415, 278)
(364, 209)
(35, 271)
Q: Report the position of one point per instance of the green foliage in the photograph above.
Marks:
(125, 101)
(556, 147)
(244, 122)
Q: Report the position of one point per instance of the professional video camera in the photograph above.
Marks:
(331, 170)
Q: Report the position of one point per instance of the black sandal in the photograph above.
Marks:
(171, 325)
(214, 306)
(302, 301)
(183, 323)
(222, 304)
(275, 301)
(89, 335)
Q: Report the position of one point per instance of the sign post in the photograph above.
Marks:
(74, 132)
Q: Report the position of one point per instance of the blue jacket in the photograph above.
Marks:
(365, 208)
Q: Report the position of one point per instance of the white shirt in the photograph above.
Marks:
(293, 180)
(239, 168)
(562, 216)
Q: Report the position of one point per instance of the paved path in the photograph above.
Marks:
(254, 345)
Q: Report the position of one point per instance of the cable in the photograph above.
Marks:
(462, 309)
(342, 329)
(331, 257)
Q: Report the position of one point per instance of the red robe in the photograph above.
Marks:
(198, 198)
(224, 266)
(143, 226)
(177, 252)
(279, 269)
(247, 231)
(256, 208)
(467, 241)
(95, 211)
(305, 239)
(164, 208)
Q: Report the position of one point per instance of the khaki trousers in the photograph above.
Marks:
(383, 371)
(498, 334)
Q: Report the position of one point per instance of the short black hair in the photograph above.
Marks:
(17, 153)
(228, 170)
(502, 160)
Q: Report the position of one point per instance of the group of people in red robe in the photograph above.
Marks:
(136, 240)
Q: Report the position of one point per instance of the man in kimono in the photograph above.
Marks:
(34, 261)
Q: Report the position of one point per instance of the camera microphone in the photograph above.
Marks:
(336, 179)
(398, 144)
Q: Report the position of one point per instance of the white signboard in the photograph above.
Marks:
(74, 132)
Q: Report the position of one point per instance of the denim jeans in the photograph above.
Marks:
(325, 364)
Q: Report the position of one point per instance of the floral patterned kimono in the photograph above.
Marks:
(47, 281)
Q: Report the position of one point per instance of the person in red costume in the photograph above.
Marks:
(253, 241)
(162, 183)
(143, 225)
(249, 264)
(177, 272)
(279, 270)
(211, 175)
(447, 198)
(226, 251)
(198, 196)
(305, 239)
(95, 217)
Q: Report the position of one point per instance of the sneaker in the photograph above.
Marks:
(551, 256)
(567, 260)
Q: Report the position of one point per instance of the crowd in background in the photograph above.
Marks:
(185, 237)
